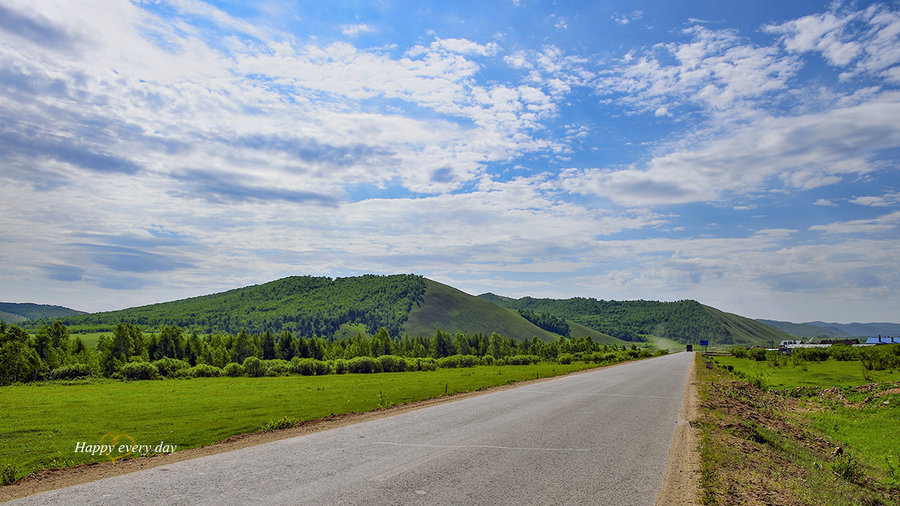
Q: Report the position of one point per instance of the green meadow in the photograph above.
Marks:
(44, 422)
(860, 416)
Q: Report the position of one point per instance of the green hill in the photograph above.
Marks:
(305, 305)
(450, 310)
(685, 321)
(15, 313)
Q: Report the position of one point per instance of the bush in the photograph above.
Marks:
(167, 366)
(71, 372)
(842, 352)
(424, 364)
(811, 354)
(279, 424)
(206, 371)
(278, 367)
(487, 360)
(340, 366)
(309, 366)
(739, 352)
(758, 354)
(456, 361)
(139, 371)
(363, 365)
(565, 358)
(8, 475)
(254, 367)
(232, 369)
(392, 363)
(523, 359)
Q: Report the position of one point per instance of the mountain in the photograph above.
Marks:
(329, 307)
(685, 321)
(16, 313)
(450, 310)
(817, 329)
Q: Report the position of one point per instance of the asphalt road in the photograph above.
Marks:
(600, 437)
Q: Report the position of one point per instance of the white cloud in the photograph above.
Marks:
(356, 30)
(868, 227)
(802, 152)
(886, 200)
(863, 40)
(716, 70)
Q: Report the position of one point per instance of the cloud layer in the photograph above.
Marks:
(156, 151)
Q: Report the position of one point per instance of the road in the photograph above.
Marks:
(600, 437)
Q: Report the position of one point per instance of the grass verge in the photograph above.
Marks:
(760, 447)
(44, 423)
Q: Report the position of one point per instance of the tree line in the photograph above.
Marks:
(129, 353)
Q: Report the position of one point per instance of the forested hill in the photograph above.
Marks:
(685, 321)
(12, 312)
(305, 305)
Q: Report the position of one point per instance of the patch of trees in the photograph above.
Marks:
(685, 320)
(546, 321)
(28, 311)
(305, 305)
(129, 353)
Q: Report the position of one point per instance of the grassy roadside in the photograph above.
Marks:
(44, 423)
(770, 447)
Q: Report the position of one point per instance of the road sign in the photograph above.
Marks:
(704, 343)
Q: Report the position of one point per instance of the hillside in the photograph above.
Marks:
(450, 310)
(684, 321)
(305, 305)
(15, 313)
(817, 329)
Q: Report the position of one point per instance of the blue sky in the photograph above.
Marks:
(743, 154)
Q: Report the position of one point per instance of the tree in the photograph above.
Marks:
(442, 345)
(18, 360)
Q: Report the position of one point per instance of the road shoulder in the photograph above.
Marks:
(681, 482)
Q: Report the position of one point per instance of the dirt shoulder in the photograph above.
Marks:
(52, 479)
(681, 483)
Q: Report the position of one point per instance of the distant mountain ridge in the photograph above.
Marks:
(818, 328)
(685, 321)
(15, 312)
(406, 303)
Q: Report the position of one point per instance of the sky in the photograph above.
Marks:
(742, 154)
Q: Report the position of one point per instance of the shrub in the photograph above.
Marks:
(309, 366)
(206, 371)
(278, 367)
(565, 358)
(71, 372)
(811, 354)
(167, 366)
(456, 361)
(340, 366)
(523, 359)
(487, 360)
(232, 369)
(254, 367)
(278, 424)
(661, 352)
(8, 475)
(363, 365)
(139, 371)
(842, 352)
(739, 352)
(424, 364)
(392, 363)
(846, 467)
(758, 354)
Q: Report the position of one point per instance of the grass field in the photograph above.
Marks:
(861, 415)
(43, 423)
(830, 373)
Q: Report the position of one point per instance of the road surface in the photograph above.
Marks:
(600, 437)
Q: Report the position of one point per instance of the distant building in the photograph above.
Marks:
(883, 340)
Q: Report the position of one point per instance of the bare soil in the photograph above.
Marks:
(681, 483)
